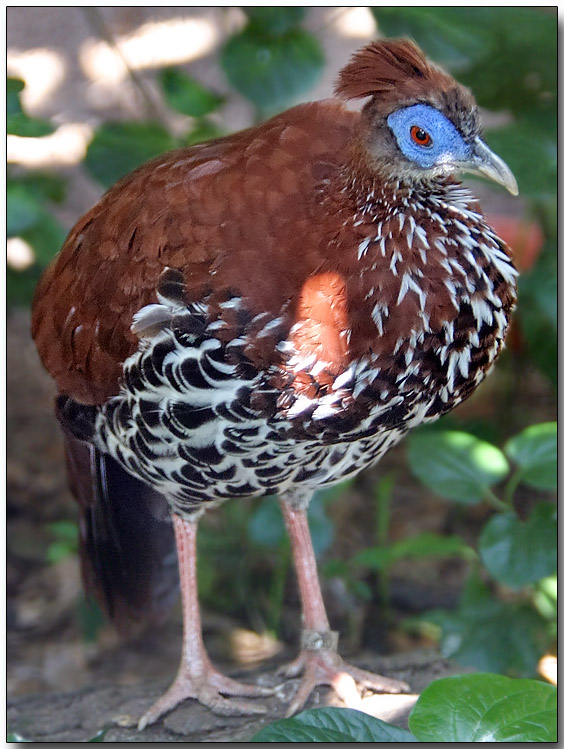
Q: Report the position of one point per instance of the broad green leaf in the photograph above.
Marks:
(119, 147)
(17, 121)
(266, 526)
(517, 553)
(535, 452)
(274, 19)
(15, 738)
(546, 597)
(186, 95)
(454, 36)
(20, 285)
(23, 210)
(21, 124)
(13, 88)
(332, 724)
(42, 185)
(45, 236)
(456, 465)
(492, 635)
(416, 547)
(272, 71)
(485, 707)
(59, 550)
(531, 154)
(320, 525)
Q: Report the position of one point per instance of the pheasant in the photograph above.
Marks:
(270, 312)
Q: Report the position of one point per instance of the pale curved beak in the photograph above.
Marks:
(485, 162)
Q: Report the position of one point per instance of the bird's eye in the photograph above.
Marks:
(420, 136)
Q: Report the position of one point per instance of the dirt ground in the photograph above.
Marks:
(61, 686)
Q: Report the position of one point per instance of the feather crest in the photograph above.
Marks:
(390, 67)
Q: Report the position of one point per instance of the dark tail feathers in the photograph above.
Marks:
(127, 544)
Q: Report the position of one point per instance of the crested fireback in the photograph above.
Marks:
(269, 313)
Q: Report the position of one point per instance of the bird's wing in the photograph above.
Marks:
(233, 215)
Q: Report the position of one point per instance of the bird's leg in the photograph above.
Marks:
(197, 678)
(318, 659)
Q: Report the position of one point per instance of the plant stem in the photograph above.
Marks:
(153, 110)
(510, 487)
(495, 501)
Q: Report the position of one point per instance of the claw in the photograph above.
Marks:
(325, 667)
(208, 689)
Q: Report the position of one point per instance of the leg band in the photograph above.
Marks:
(313, 639)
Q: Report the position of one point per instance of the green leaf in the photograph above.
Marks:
(20, 285)
(332, 724)
(13, 88)
(485, 707)
(21, 124)
(535, 452)
(65, 530)
(17, 121)
(23, 210)
(45, 236)
(272, 71)
(59, 550)
(456, 465)
(517, 553)
(538, 311)
(266, 526)
(546, 598)
(186, 95)
(531, 154)
(454, 36)
(274, 19)
(492, 635)
(320, 525)
(416, 547)
(43, 186)
(119, 147)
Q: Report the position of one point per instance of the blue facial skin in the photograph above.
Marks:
(447, 145)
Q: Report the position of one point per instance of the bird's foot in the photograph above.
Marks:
(208, 688)
(322, 665)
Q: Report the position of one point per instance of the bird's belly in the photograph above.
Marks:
(186, 422)
(229, 460)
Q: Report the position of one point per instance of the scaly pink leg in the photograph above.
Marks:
(197, 678)
(318, 658)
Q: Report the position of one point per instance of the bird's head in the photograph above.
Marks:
(419, 123)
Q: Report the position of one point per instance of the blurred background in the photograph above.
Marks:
(450, 542)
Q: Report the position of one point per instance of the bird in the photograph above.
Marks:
(270, 313)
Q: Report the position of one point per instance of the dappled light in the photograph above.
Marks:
(153, 45)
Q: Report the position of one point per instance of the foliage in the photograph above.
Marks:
(466, 708)
(487, 631)
(29, 197)
(272, 61)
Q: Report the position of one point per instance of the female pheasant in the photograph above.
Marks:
(269, 313)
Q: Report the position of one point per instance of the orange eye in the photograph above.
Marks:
(419, 136)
